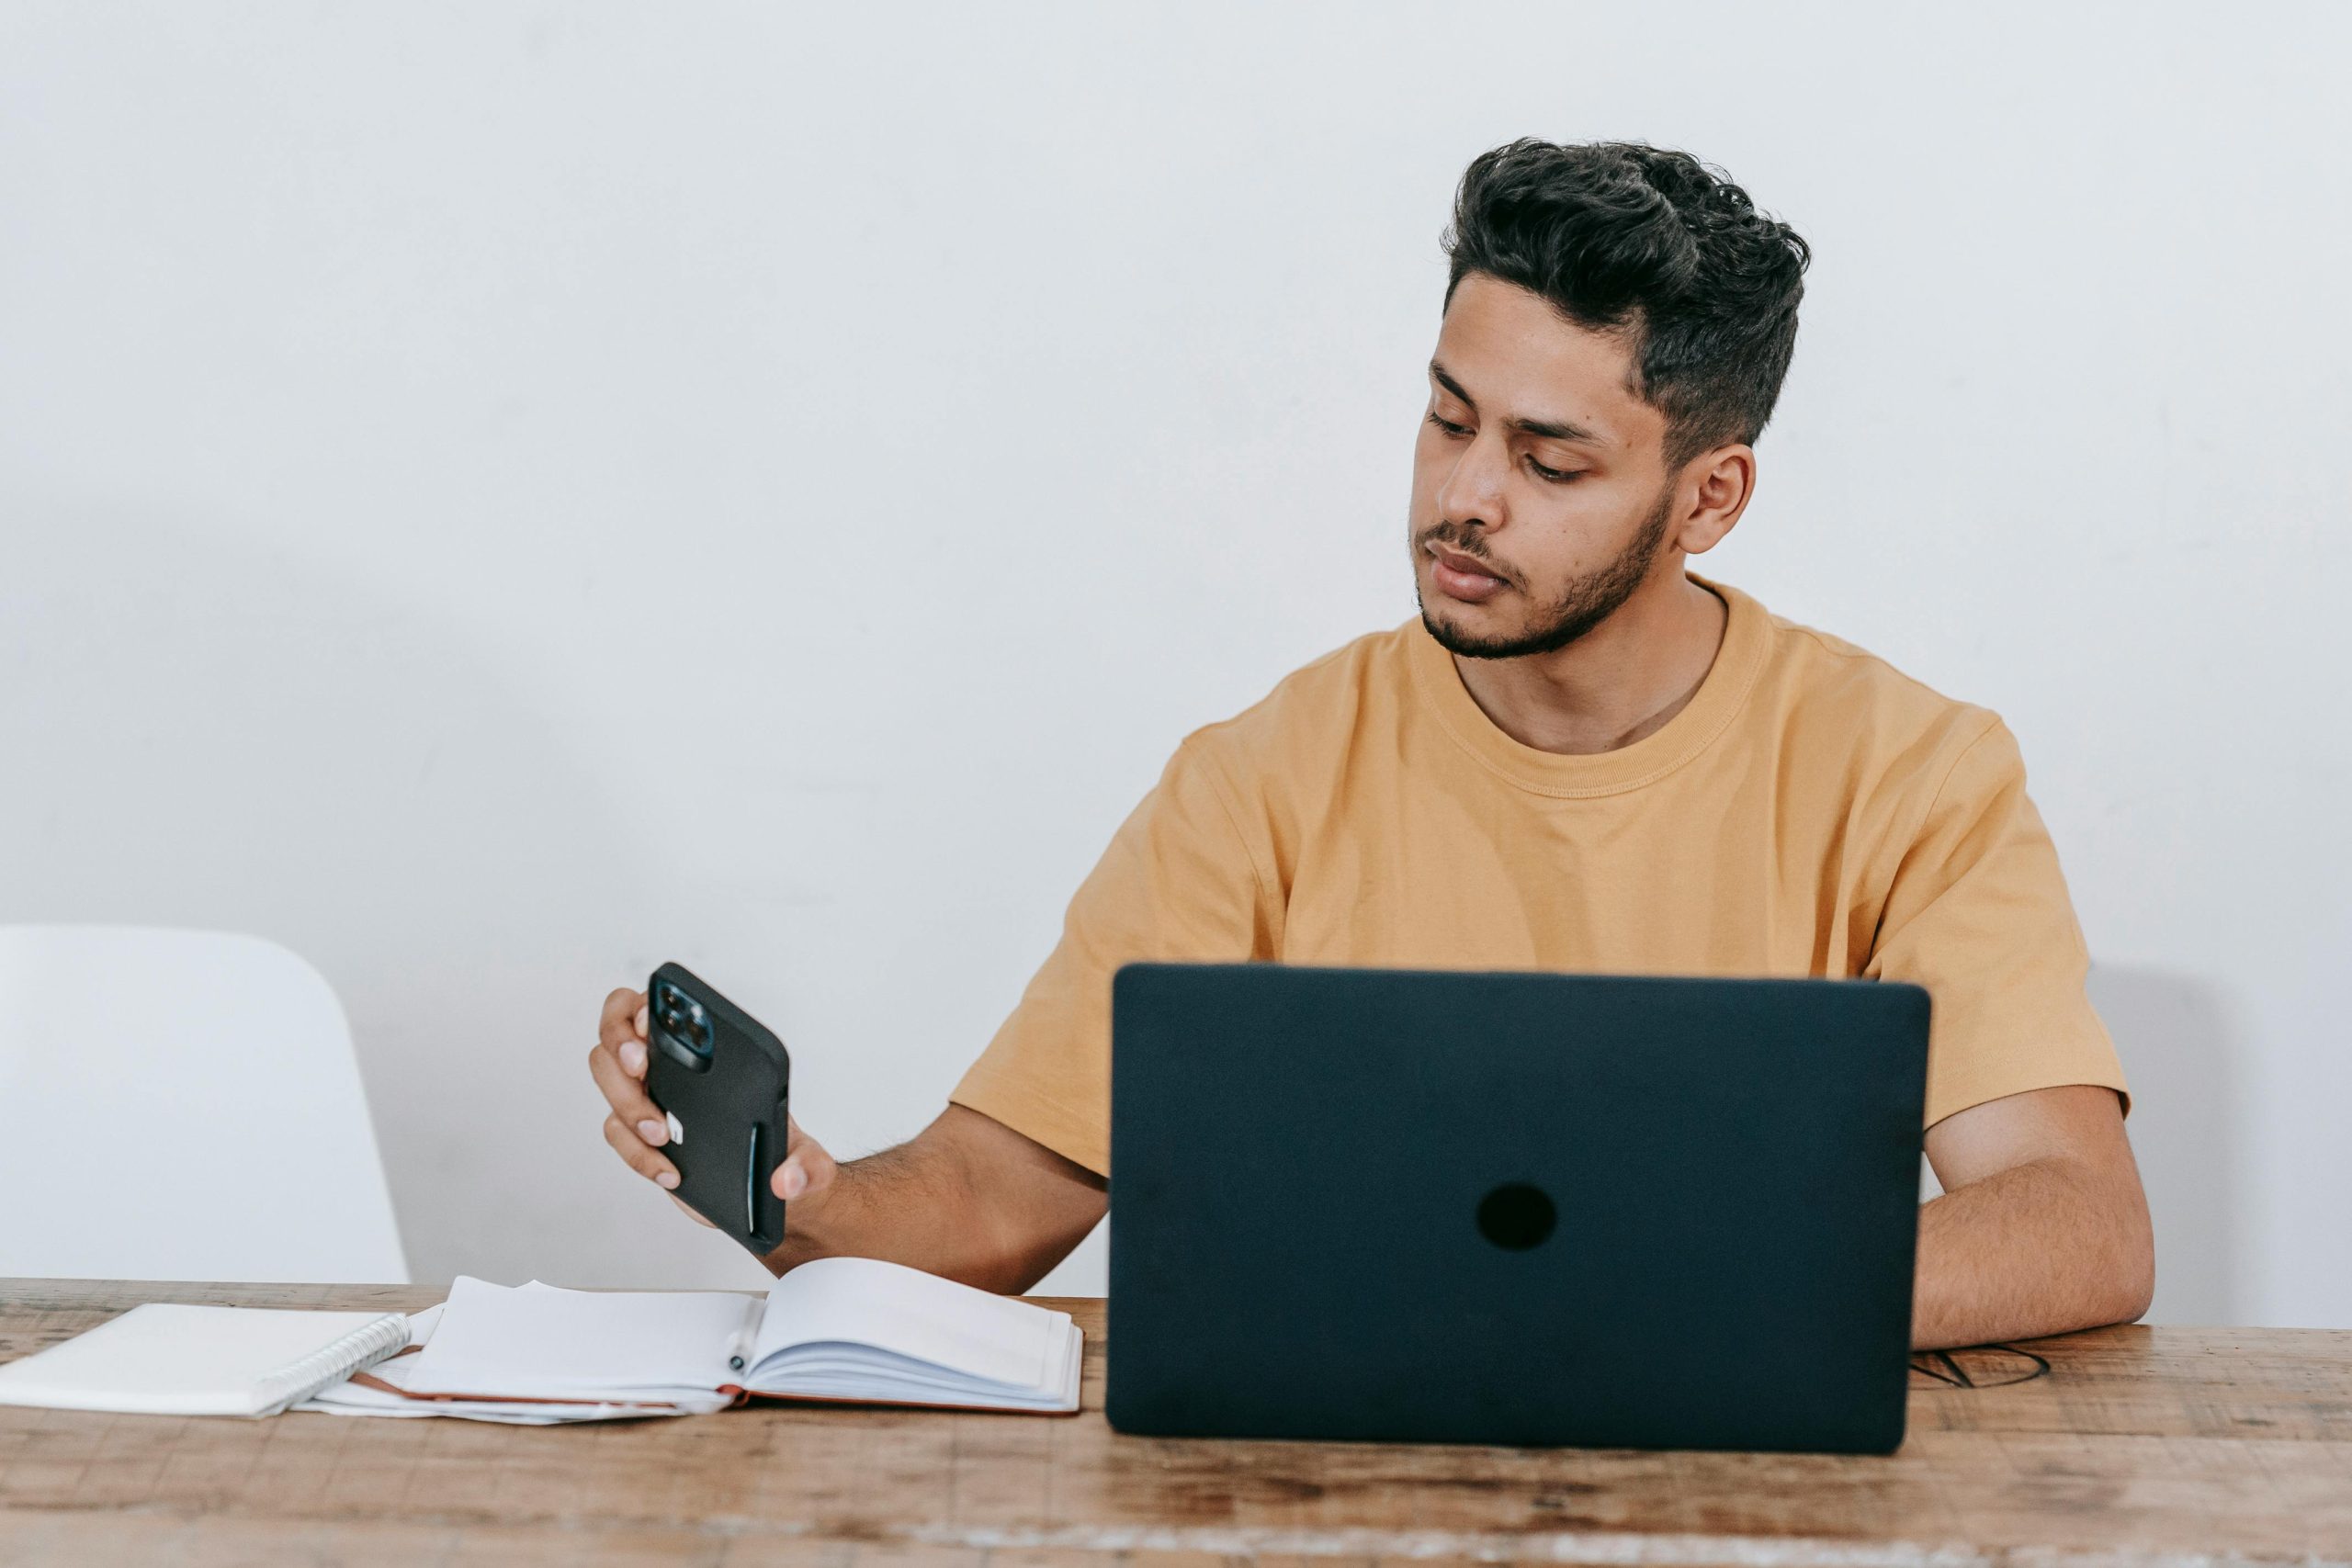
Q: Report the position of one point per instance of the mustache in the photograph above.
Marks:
(1462, 541)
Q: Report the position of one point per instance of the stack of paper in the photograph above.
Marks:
(842, 1328)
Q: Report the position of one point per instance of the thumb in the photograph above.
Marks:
(806, 1169)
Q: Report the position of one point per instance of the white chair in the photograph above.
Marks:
(182, 1105)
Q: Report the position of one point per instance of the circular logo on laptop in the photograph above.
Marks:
(1516, 1216)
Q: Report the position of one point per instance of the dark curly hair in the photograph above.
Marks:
(1622, 236)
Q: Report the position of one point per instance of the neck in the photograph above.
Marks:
(1618, 682)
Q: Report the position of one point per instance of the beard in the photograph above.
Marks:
(1584, 603)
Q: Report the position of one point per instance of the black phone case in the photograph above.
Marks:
(731, 1111)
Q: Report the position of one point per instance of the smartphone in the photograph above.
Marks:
(723, 1079)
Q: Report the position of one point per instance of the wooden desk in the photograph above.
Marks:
(2185, 1445)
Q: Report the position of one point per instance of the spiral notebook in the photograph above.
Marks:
(164, 1359)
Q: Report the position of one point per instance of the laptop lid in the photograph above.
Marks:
(1513, 1208)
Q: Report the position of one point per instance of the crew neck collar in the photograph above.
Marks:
(1747, 636)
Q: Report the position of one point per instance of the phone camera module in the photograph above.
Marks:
(683, 1019)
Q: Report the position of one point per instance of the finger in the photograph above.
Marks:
(625, 1094)
(636, 1156)
(622, 1009)
(620, 1030)
(692, 1212)
(806, 1169)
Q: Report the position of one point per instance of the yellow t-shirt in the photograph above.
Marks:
(1810, 811)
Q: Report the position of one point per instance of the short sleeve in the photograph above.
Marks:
(1178, 883)
(1977, 912)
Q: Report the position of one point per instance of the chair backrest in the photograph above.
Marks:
(182, 1105)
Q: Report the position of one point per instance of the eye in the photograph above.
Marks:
(1448, 425)
(1554, 476)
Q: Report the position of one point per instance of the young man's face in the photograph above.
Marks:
(1540, 495)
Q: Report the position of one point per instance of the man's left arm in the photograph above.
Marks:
(2042, 1227)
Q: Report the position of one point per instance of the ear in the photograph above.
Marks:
(1716, 486)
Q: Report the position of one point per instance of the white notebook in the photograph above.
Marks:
(168, 1360)
(841, 1328)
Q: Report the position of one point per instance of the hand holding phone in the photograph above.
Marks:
(721, 1074)
(722, 1078)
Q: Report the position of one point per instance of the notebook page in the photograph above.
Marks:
(855, 1372)
(862, 1301)
(358, 1397)
(167, 1358)
(550, 1343)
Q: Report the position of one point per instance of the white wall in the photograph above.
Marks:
(936, 413)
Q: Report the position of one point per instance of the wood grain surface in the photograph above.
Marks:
(2173, 1445)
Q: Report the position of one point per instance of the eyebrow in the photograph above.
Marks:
(1549, 429)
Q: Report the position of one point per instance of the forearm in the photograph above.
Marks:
(2042, 1247)
(904, 1205)
(967, 1198)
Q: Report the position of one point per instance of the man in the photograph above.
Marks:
(1580, 757)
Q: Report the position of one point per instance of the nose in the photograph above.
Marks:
(1471, 494)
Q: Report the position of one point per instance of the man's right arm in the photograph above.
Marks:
(1000, 1187)
(968, 1198)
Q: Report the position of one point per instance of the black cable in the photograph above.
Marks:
(1954, 1375)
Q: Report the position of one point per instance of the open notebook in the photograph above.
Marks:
(164, 1359)
(841, 1328)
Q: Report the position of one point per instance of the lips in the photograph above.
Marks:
(1463, 565)
(1461, 577)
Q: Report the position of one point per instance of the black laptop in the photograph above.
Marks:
(1513, 1208)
